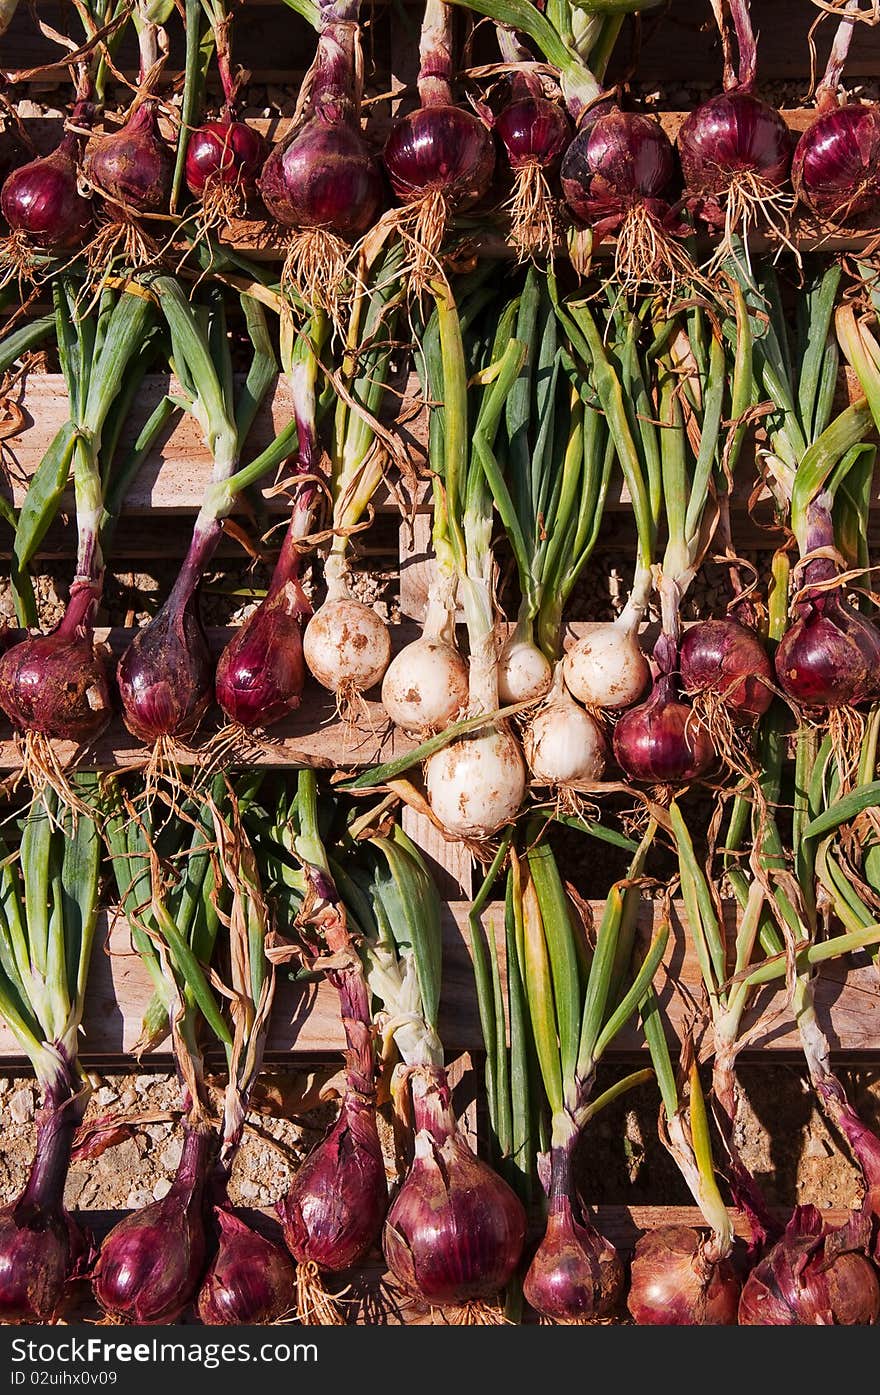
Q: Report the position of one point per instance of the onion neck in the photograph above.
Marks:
(334, 96)
(435, 56)
(206, 536)
(827, 93)
(354, 1008)
(82, 607)
(432, 1104)
(703, 1188)
(817, 535)
(439, 624)
(60, 1114)
(745, 40)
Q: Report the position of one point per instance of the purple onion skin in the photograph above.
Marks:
(261, 671)
(56, 683)
(802, 1282)
(151, 1262)
(455, 1230)
(166, 675)
(533, 131)
(224, 153)
(41, 200)
(250, 1281)
(662, 741)
(333, 1213)
(133, 166)
(836, 166)
(324, 178)
(441, 148)
(733, 133)
(728, 659)
(40, 1245)
(830, 655)
(672, 1284)
(576, 1275)
(618, 160)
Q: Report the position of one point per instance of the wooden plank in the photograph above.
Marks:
(305, 1020)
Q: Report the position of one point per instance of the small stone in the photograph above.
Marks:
(5, 1083)
(142, 1083)
(249, 1190)
(162, 1188)
(127, 1099)
(265, 1196)
(817, 1148)
(104, 1096)
(137, 1199)
(21, 1105)
(156, 1131)
(170, 1154)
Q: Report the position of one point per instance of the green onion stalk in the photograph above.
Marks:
(333, 1213)
(550, 495)
(455, 1230)
(815, 1274)
(55, 686)
(48, 913)
(475, 784)
(151, 1263)
(166, 675)
(221, 158)
(577, 1002)
(826, 662)
(346, 644)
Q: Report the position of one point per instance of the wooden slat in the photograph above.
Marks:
(305, 1019)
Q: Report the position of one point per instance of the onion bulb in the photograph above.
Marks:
(810, 1279)
(476, 784)
(606, 667)
(674, 1284)
(524, 672)
(564, 745)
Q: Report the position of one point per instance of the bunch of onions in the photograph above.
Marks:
(222, 157)
(440, 158)
(455, 1230)
(42, 204)
(333, 1212)
(131, 168)
(166, 675)
(249, 1280)
(836, 166)
(323, 181)
(576, 1275)
(54, 687)
(45, 961)
(346, 644)
(475, 784)
(261, 672)
(735, 149)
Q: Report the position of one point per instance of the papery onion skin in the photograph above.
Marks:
(151, 1261)
(576, 1275)
(224, 153)
(334, 1210)
(261, 672)
(441, 148)
(455, 1230)
(533, 130)
(830, 655)
(673, 1285)
(166, 675)
(728, 659)
(565, 745)
(802, 1282)
(132, 166)
(325, 178)
(836, 166)
(662, 741)
(732, 134)
(57, 683)
(618, 159)
(42, 201)
(249, 1282)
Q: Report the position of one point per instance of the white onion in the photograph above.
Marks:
(564, 745)
(347, 645)
(426, 686)
(524, 674)
(476, 784)
(606, 668)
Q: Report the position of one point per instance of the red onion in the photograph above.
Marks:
(441, 150)
(151, 1262)
(534, 132)
(836, 166)
(165, 676)
(576, 1274)
(42, 203)
(727, 660)
(674, 1284)
(40, 1245)
(132, 167)
(662, 741)
(333, 1212)
(56, 684)
(830, 656)
(223, 154)
(455, 1230)
(250, 1281)
(811, 1279)
(618, 161)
